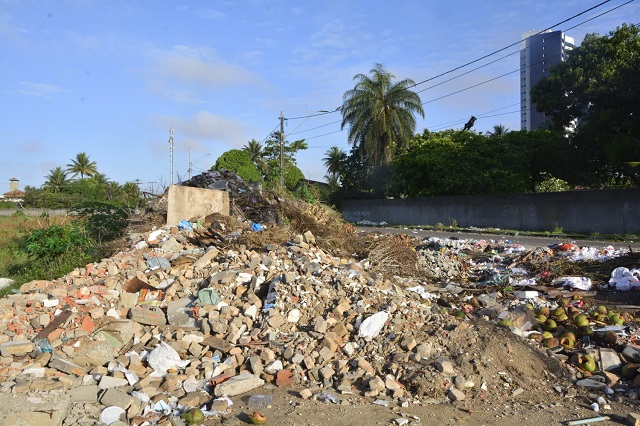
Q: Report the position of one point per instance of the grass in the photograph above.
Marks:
(13, 264)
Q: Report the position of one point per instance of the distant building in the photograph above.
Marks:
(14, 194)
(538, 52)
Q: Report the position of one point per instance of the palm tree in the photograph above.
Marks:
(256, 152)
(498, 130)
(56, 180)
(380, 114)
(333, 182)
(131, 192)
(100, 179)
(334, 160)
(82, 166)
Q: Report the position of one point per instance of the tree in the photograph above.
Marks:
(333, 181)
(461, 163)
(255, 151)
(56, 180)
(131, 193)
(599, 86)
(272, 148)
(498, 130)
(238, 161)
(334, 160)
(380, 114)
(82, 166)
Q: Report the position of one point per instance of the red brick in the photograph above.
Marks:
(87, 324)
(285, 377)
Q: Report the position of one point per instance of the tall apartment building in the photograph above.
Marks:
(537, 53)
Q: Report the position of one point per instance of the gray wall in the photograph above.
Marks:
(605, 211)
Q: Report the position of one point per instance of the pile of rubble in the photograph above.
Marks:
(194, 317)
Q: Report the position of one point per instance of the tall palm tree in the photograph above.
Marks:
(380, 114)
(334, 160)
(82, 166)
(498, 130)
(255, 150)
(56, 180)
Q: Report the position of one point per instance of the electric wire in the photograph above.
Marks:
(321, 113)
(486, 81)
(482, 57)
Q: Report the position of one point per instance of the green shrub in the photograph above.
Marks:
(104, 221)
(238, 161)
(55, 241)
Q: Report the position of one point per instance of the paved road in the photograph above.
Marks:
(527, 241)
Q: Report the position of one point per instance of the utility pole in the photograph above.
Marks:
(171, 156)
(190, 165)
(281, 151)
(152, 183)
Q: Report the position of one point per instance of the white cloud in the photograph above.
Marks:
(211, 14)
(183, 96)
(11, 31)
(42, 90)
(204, 128)
(193, 65)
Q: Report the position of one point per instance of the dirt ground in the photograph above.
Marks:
(527, 409)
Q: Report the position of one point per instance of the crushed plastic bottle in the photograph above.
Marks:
(43, 345)
(260, 400)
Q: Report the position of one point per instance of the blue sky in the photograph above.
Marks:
(110, 78)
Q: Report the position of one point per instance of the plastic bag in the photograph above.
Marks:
(164, 358)
(581, 283)
(624, 279)
(372, 326)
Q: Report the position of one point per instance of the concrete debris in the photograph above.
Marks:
(220, 320)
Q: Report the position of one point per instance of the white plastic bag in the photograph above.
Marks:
(163, 358)
(372, 326)
(624, 279)
(581, 283)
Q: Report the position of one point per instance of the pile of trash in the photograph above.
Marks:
(187, 319)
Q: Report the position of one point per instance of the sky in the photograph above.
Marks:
(111, 77)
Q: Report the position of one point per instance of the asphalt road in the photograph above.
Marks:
(528, 242)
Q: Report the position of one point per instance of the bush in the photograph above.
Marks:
(551, 184)
(104, 221)
(238, 161)
(55, 241)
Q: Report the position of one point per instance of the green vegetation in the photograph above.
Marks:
(380, 114)
(238, 161)
(50, 247)
(599, 86)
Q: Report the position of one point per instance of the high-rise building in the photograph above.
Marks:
(537, 53)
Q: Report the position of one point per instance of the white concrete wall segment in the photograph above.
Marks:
(186, 203)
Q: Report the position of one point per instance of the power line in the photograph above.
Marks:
(511, 45)
(470, 71)
(487, 55)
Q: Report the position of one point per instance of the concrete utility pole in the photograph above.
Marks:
(171, 156)
(281, 151)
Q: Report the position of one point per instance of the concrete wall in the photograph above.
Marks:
(604, 211)
(186, 202)
(34, 212)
